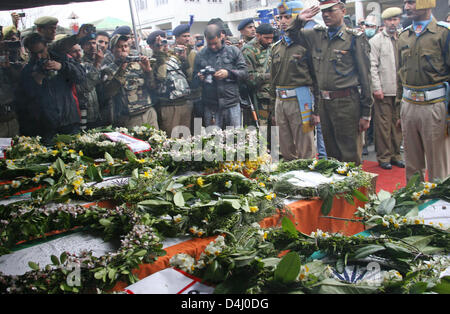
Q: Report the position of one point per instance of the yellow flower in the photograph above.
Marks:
(265, 235)
(72, 151)
(269, 197)
(261, 184)
(141, 161)
(200, 182)
(254, 209)
(80, 153)
(88, 191)
(55, 152)
(426, 191)
(146, 174)
(396, 225)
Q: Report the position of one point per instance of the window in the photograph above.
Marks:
(161, 2)
(141, 5)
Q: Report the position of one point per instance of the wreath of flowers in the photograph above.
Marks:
(140, 243)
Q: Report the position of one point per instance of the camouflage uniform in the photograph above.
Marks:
(130, 92)
(87, 94)
(258, 61)
(175, 105)
(9, 126)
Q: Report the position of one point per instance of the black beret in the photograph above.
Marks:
(181, 29)
(87, 38)
(122, 30)
(152, 37)
(265, 29)
(244, 23)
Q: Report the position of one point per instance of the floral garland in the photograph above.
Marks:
(140, 244)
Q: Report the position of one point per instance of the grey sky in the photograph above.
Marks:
(87, 12)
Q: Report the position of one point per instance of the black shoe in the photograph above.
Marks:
(386, 165)
(398, 163)
(365, 152)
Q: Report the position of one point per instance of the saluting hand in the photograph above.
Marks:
(309, 13)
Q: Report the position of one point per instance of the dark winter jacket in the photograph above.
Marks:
(221, 93)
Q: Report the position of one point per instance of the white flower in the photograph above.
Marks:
(177, 218)
(183, 261)
(228, 184)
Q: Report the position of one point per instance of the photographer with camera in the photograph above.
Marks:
(10, 68)
(46, 103)
(218, 69)
(128, 82)
(171, 75)
(90, 57)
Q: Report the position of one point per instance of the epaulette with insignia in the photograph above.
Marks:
(354, 31)
(408, 27)
(320, 27)
(443, 24)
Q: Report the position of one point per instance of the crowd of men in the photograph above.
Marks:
(328, 88)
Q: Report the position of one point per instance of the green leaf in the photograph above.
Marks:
(99, 275)
(63, 257)
(270, 261)
(327, 205)
(413, 181)
(419, 242)
(104, 222)
(288, 268)
(367, 250)
(443, 287)
(94, 173)
(360, 196)
(112, 273)
(60, 166)
(418, 288)
(340, 265)
(130, 156)
(397, 249)
(383, 195)
(135, 174)
(288, 226)
(140, 253)
(386, 206)
(332, 286)
(55, 260)
(178, 199)
(109, 158)
(33, 265)
(50, 181)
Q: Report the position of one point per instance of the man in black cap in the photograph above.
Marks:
(247, 29)
(257, 56)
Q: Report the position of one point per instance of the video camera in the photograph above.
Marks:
(90, 29)
(40, 68)
(208, 73)
(12, 46)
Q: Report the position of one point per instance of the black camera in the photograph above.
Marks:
(208, 73)
(133, 59)
(21, 14)
(39, 66)
(89, 28)
(178, 50)
(12, 44)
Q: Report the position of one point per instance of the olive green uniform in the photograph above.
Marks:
(424, 68)
(130, 92)
(342, 67)
(290, 69)
(257, 58)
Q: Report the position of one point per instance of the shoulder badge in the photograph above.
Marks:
(443, 24)
(354, 31)
(319, 27)
(406, 28)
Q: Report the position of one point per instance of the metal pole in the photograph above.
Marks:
(138, 47)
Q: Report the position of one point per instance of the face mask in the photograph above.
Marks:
(370, 32)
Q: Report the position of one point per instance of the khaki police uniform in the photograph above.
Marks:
(9, 126)
(423, 78)
(342, 67)
(289, 70)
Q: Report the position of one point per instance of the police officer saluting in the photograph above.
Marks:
(423, 76)
(292, 78)
(341, 63)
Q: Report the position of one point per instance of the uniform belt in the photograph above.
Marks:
(285, 93)
(6, 108)
(425, 95)
(328, 95)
